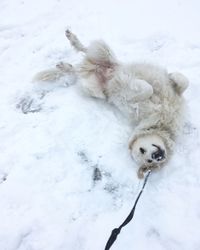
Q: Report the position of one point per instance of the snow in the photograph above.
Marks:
(66, 176)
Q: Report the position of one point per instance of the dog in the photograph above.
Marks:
(149, 96)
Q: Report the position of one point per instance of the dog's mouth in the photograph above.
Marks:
(159, 154)
(144, 168)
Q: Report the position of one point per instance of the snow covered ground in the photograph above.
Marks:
(66, 177)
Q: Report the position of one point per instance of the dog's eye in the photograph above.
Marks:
(142, 151)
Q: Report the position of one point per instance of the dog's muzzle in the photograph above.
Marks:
(159, 155)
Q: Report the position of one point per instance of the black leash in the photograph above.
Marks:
(116, 231)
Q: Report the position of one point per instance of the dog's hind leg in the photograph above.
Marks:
(61, 70)
(97, 66)
(64, 67)
(98, 52)
(74, 41)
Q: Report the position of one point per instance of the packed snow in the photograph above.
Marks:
(66, 176)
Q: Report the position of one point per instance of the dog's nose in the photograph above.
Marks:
(158, 155)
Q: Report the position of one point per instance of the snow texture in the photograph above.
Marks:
(66, 176)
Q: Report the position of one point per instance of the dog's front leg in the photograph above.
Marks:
(140, 90)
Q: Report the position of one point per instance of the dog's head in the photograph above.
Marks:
(148, 150)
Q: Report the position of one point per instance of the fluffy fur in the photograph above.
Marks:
(148, 95)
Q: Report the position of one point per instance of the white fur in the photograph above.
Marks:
(149, 96)
(146, 143)
(62, 70)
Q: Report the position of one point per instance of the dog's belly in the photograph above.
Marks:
(136, 111)
(160, 108)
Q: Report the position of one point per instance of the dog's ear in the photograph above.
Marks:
(131, 142)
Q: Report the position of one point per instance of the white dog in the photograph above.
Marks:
(147, 94)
